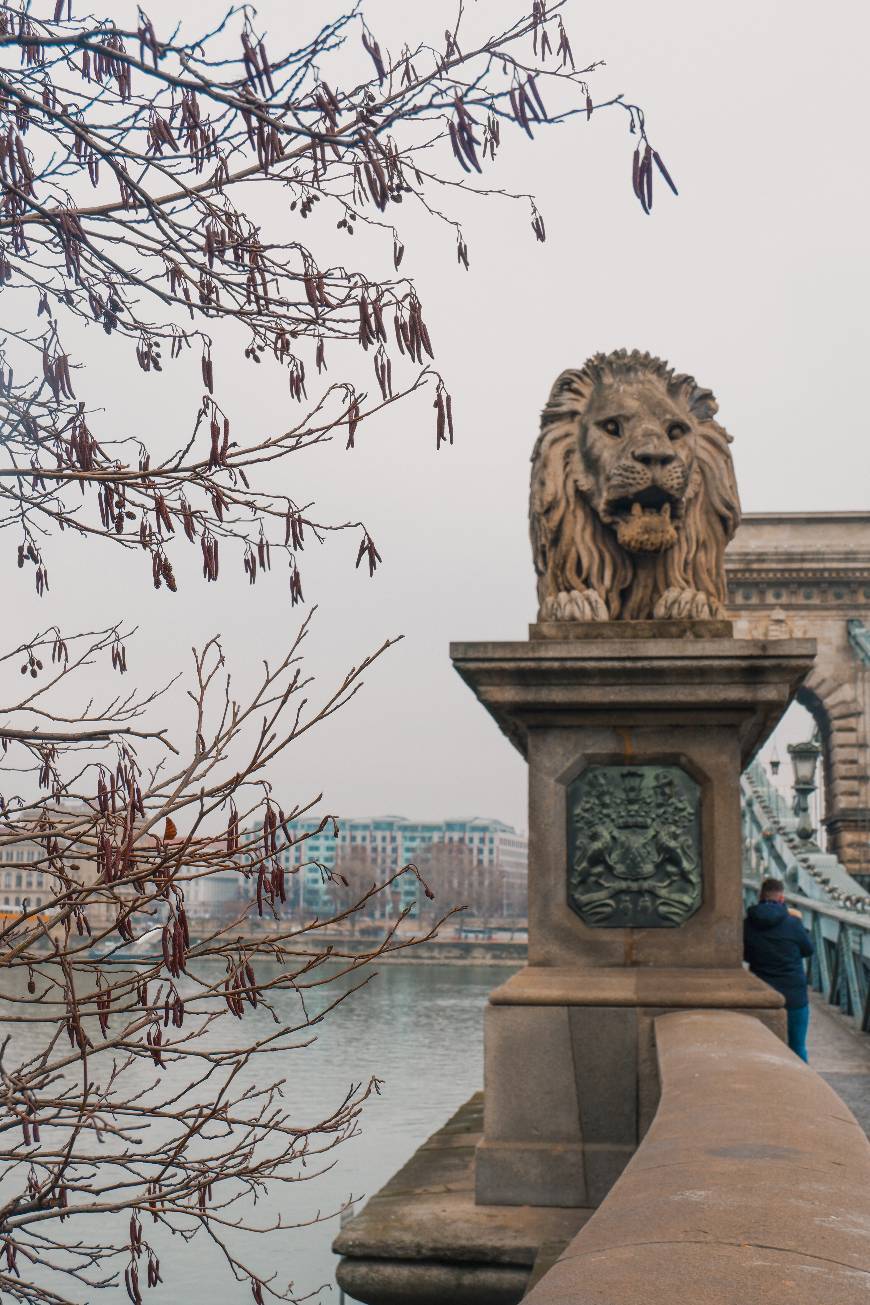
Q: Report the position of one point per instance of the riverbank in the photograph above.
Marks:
(436, 951)
(400, 950)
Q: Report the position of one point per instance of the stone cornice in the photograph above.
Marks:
(798, 578)
(543, 682)
(853, 559)
(791, 548)
(781, 574)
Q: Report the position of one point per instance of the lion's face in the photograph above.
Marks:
(633, 496)
(636, 448)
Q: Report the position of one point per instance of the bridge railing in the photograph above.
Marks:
(835, 908)
(771, 846)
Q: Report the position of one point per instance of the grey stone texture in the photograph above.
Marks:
(711, 936)
(400, 1282)
(731, 988)
(752, 1184)
(571, 1081)
(570, 1072)
(516, 1172)
(604, 1042)
(423, 1238)
(806, 575)
(539, 1103)
(533, 1153)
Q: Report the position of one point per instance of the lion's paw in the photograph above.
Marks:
(574, 605)
(689, 604)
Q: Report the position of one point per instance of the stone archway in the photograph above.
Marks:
(808, 574)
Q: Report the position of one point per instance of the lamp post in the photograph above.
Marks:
(804, 757)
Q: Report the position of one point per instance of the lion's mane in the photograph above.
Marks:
(574, 549)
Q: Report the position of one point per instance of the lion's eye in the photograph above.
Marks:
(677, 430)
(611, 426)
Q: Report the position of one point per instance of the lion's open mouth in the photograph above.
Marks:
(644, 521)
(651, 501)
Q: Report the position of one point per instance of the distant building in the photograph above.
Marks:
(23, 877)
(26, 882)
(393, 841)
(221, 894)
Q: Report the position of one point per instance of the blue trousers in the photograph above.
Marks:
(798, 1023)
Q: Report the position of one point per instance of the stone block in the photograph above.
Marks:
(604, 1042)
(421, 1219)
(709, 753)
(648, 1084)
(702, 704)
(604, 1164)
(399, 1282)
(530, 1173)
(529, 1075)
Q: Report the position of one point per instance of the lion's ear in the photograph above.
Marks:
(702, 402)
(704, 405)
(566, 399)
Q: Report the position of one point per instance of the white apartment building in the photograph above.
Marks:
(394, 841)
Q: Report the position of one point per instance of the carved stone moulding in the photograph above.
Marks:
(752, 589)
(634, 846)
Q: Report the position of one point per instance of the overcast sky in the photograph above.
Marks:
(754, 280)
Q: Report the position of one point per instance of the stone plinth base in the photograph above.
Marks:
(422, 1240)
(571, 1080)
(635, 735)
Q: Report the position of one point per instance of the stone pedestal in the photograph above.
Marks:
(635, 735)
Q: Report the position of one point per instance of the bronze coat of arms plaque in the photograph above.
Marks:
(634, 846)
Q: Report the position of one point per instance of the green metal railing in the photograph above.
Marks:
(859, 638)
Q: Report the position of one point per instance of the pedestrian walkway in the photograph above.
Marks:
(842, 1056)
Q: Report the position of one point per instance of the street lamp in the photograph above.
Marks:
(804, 757)
(774, 761)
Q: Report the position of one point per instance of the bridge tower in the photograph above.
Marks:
(807, 575)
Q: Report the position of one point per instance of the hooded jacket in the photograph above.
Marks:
(774, 945)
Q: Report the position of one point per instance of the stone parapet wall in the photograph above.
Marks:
(752, 1184)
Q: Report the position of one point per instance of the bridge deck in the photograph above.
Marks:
(842, 1056)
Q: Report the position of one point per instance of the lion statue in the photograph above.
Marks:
(633, 495)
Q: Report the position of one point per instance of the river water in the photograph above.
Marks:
(418, 1027)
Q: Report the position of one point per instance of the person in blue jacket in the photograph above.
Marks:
(775, 944)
